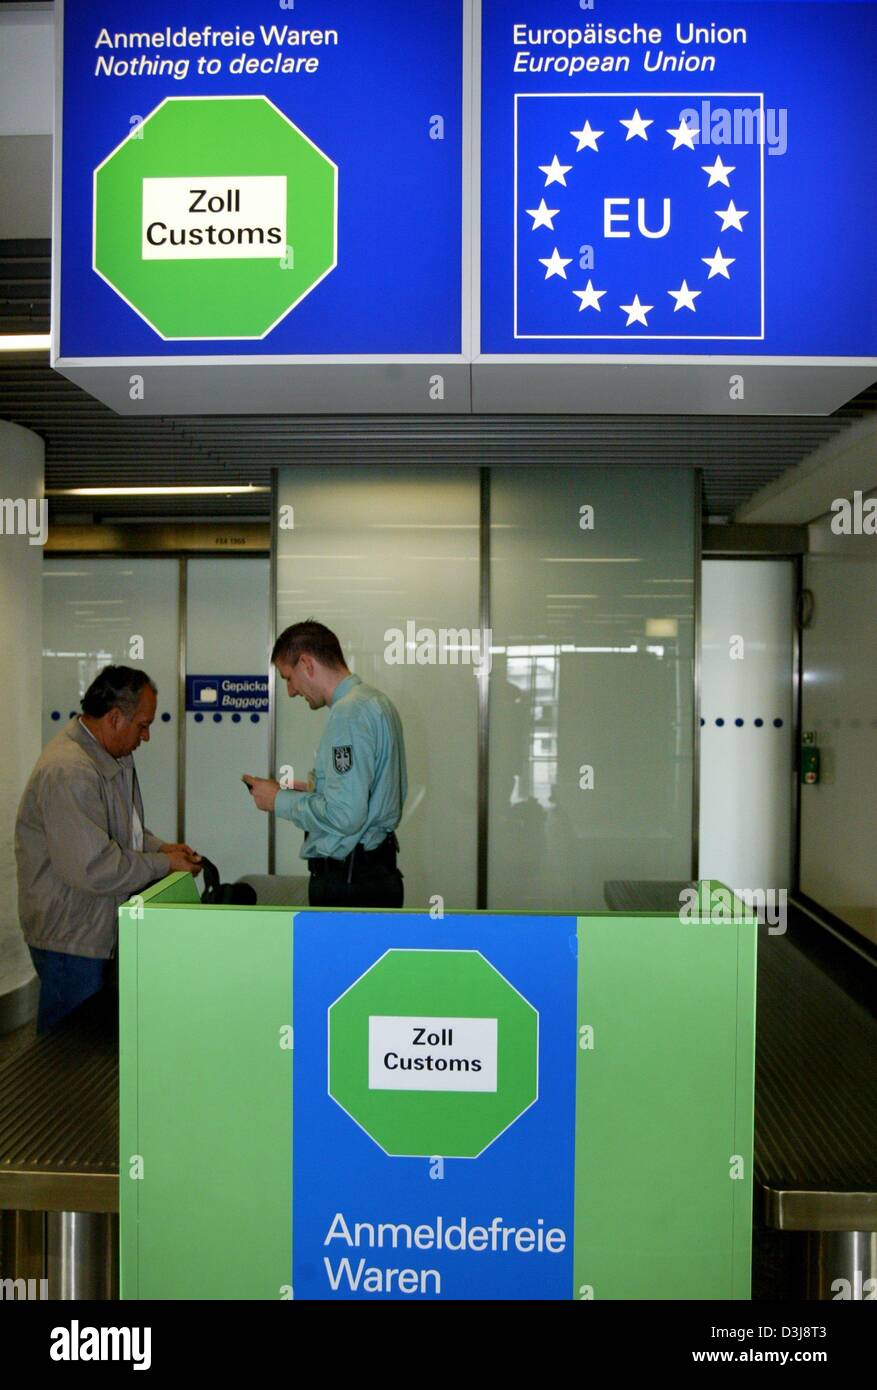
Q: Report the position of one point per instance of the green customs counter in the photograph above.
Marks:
(335, 1104)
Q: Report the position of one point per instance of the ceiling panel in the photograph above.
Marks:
(87, 445)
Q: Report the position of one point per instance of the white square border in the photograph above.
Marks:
(628, 337)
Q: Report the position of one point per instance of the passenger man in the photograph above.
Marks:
(81, 846)
(350, 813)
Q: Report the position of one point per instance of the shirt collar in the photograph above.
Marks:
(346, 685)
(109, 765)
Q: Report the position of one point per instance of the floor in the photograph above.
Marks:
(11, 1043)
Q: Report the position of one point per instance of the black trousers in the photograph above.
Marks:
(379, 888)
(371, 880)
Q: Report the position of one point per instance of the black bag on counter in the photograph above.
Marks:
(215, 892)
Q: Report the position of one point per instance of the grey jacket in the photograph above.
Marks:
(72, 835)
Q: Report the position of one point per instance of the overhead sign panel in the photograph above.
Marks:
(661, 183)
(378, 206)
(242, 182)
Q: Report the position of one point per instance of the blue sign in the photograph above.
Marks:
(370, 94)
(227, 694)
(657, 180)
(384, 1207)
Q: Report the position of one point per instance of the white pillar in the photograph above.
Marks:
(21, 641)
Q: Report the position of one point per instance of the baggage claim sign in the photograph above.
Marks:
(677, 178)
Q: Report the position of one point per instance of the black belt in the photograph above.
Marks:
(382, 856)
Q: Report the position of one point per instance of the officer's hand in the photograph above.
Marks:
(264, 790)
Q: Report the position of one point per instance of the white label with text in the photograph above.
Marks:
(412, 1053)
(216, 218)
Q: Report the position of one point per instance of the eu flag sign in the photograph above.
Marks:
(628, 227)
(660, 183)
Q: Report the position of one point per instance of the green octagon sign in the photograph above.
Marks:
(215, 217)
(433, 1053)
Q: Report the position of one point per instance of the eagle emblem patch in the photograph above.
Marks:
(342, 756)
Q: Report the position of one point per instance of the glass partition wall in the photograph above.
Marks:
(591, 691)
(120, 610)
(170, 617)
(569, 596)
(389, 559)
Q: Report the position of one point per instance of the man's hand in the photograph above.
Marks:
(264, 790)
(183, 859)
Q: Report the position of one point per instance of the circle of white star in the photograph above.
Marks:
(555, 264)
(718, 264)
(684, 297)
(636, 126)
(555, 172)
(636, 312)
(684, 135)
(590, 298)
(587, 137)
(731, 217)
(542, 216)
(718, 172)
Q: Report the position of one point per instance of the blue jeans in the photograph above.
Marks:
(66, 982)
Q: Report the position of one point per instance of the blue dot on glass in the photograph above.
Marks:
(778, 723)
(702, 722)
(72, 714)
(235, 719)
(739, 723)
(165, 718)
(254, 718)
(217, 718)
(199, 718)
(721, 723)
(56, 714)
(758, 723)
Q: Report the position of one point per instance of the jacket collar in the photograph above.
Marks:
(344, 687)
(107, 765)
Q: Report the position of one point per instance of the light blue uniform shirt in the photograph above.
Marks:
(361, 779)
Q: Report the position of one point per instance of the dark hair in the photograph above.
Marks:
(312, 637)
(116, 687)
